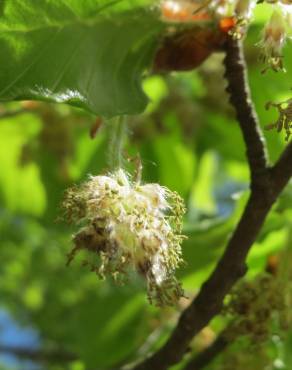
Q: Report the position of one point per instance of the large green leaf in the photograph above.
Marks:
(90, 54)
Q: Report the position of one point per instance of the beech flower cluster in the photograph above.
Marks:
(284, 121)
(126, 226)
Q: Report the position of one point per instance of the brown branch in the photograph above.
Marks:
(209, 302)
(205, 357)
(265, 188)
(13, 113)
(39, 355)
(240, 98)
(282, 170)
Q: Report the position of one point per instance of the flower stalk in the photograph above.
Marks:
(117, 132)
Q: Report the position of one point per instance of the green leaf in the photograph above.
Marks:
(89, 54)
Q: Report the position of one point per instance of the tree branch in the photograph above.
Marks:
(240, 98)
(209, 301)
(282, 170)
(205, 357)
(39, 355)
(13, 113)
(266, 185)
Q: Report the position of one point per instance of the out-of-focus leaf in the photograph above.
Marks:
(272, 244)
(17, 179)
(156, 89)
(202, 194)
(205, 244)
(176, 162)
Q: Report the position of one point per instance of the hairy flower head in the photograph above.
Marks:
(128, 226)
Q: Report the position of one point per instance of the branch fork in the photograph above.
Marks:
(266, 185)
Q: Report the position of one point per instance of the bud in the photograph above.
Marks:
(244, 9)
(129, 227)
(242, 12)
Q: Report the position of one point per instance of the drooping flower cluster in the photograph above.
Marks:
(258, 313)
(251, 306)
(275, 35)
(234, 17)
(284, 121)
(128, 227)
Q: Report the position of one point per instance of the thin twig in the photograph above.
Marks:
(282, 170)
(240, 99)
(205, 357)
(38, 355)
(13, 113)
(265, 188)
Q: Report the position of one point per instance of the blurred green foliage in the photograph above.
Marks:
(189, 141)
